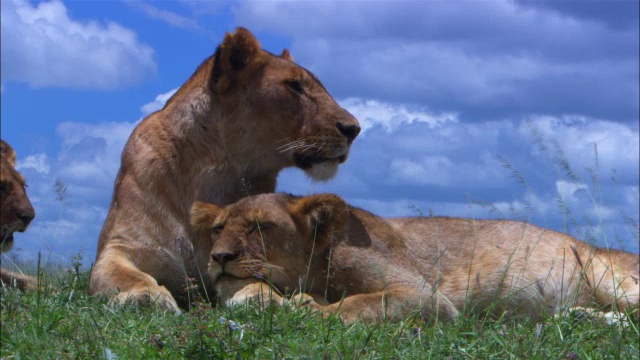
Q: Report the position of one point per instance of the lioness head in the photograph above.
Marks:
(16, 209)
(271, 101)
(273, 237)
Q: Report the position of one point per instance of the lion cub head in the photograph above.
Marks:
(270, 102)
(16, 211)
(271, 237)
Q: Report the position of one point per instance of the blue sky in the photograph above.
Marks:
(489, 109)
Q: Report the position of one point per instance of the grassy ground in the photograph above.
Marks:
(70, 324)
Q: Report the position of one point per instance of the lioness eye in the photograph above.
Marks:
(265, 226)
(296, 86)
(262, 226)
(217, 229)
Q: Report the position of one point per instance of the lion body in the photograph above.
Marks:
(244, 115)
(16, 212)
(349, 261)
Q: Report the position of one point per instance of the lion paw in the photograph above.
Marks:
(159, 298)
(301, 300)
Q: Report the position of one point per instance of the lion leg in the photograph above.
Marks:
(615, 278)
(116, 276)
(391, 305)
(610, 317)
(20, 281)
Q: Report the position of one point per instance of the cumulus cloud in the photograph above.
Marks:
(583, 140)
(484, 60)
(406, 163)
(158, 103)
(86, 165)
(167, 16)
(43, 47)
(567, 189)
(371, 112)
(37, 162)
(493, 169)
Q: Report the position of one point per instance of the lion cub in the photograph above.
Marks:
(369, 267)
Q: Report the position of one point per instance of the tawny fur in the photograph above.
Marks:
(369, 267)
(244, 115)
(16, 212)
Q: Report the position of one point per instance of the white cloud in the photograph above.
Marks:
(158, 103)
(578, 138)
(37, 162)
(87, 162)
(408, 162)
(43, 47)
(167, 16)
(371, 112)
(480, 59)
(452, 169)
(567, 190)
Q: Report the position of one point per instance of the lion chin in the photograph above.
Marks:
(323, 171)
(320, 169)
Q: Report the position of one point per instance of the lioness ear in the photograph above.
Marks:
(6, 151)
(286, 55)
(203, 214)
(236, 52)
(324, 213)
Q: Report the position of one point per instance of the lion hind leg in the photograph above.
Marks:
(610, 317)
(616, 279)
(391, 305)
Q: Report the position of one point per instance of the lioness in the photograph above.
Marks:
(243, 116)
(370, 267)
(16, 212)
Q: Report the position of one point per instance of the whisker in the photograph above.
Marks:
(304, 147)
(290, 142)
(309, 147)
(291, 145)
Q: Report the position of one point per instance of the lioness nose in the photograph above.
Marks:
(348, 129)
(223, 257)
(26, 215)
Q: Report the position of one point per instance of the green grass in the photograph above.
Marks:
(70, 324)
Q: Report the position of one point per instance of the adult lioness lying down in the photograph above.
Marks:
(243, 116)
(16, 212)
(371, 267)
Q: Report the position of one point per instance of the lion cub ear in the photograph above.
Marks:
(325, 214)
(286, 55)
(203, 214)
(6, 151)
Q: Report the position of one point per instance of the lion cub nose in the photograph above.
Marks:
(223, 257)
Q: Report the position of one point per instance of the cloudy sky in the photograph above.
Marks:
(488, 109)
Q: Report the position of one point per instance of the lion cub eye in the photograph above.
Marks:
(295, 85)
